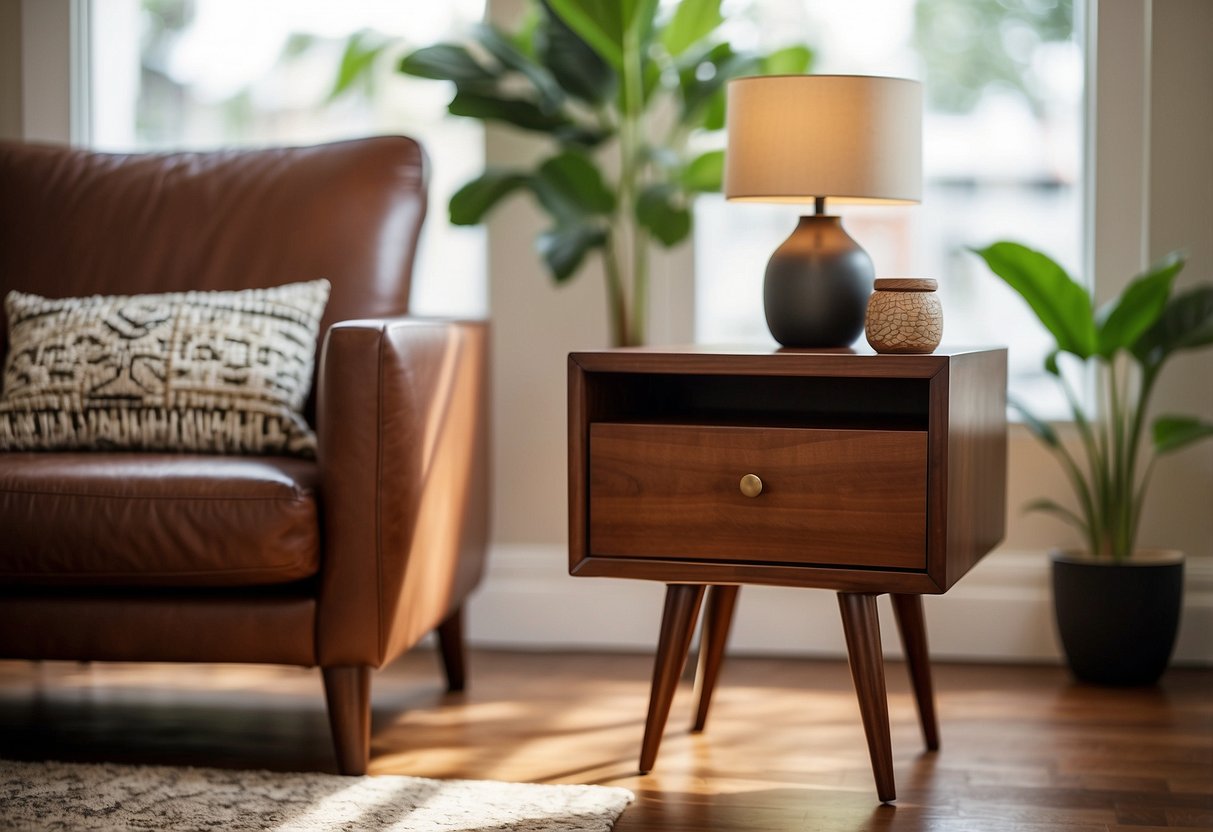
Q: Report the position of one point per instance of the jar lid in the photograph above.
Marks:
(906, 284)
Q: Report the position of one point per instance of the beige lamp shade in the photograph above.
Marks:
(851, 138)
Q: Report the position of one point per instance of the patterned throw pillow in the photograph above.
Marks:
(209, 372)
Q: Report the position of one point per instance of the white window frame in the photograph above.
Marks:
(54, 61)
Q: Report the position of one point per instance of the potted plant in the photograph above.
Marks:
(1117, 606)
(621, 91)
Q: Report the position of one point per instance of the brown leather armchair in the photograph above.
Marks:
(343, 562)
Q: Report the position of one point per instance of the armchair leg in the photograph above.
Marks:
(348, 693)
(450, 640)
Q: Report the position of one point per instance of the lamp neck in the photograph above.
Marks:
(819, 206)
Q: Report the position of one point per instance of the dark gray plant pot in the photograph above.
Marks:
(1117, 622)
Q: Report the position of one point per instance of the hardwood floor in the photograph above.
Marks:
(1022, 748)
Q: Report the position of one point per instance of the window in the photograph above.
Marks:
(198, 74)
(1002, 160)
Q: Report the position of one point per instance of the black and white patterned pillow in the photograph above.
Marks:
(208, 372)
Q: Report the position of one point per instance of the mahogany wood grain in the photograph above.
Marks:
(910, 622)
(348, 693)
(708, 360)
(705, 572)
(653, 431)
(976, 486)
(839, 497)
(966, 442)
(717, 619)
(451, 648)
(861, 626)
(1030, 750)
(677, 626)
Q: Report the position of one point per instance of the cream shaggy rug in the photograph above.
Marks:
(69, 796)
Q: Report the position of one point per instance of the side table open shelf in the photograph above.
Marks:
(865, 474)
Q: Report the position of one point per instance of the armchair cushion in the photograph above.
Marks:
(143, 520)
(215, 372)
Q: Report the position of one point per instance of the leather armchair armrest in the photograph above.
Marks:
(402, 424)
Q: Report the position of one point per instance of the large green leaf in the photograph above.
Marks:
(570, 187)
(1186, 323)
(1174, 432)
(475, 199)
(576, 66)
(660, 209)
(692, 21)
(791, 60)
(1060, 303)
(1123, 320)
(446, 62)
(606, 24)
(705, 173)
(701, 79)
(581, 135)
(358, 60)
(564, 248)
(713, 117)
(516, 111)
(497, 44)
(523, 36)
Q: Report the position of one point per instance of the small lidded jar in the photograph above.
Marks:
(904, 315)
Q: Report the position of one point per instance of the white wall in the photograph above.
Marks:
(10, 69)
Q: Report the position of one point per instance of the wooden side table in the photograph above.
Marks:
(862, 473)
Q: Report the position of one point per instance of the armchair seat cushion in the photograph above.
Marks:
(156, 520)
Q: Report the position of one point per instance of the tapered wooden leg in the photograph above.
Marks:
(862, 628)
(908, 610)
(450, 640)
(677, 625)
(717, 617)
(348, 693)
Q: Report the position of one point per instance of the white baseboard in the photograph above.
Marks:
(1001, 611)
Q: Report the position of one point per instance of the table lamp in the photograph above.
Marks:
(809, 138)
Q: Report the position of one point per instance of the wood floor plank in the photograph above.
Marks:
(1027, 749)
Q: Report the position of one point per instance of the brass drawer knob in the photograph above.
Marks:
(751, 486)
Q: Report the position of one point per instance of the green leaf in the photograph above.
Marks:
(575, 65)
(516, 111)
(1186, 323)
(570, 187)
(523, 37)
(692, 21)
(564, 248)
(1123, 320)
(714, 111)
(605, 24)
(791, 60)
(705, 173)
(659, 209)
(1061, 304)
(357, 60)
(551, 95)
(702, 76)
(446, 62)
(1174, 432)
(475, 199)
(1047, 506)
(1040, 429)
(581, 135)
(1051, 366)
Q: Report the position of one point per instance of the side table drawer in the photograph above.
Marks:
(829, 497)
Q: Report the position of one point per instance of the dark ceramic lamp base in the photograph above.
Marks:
(817, 286)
